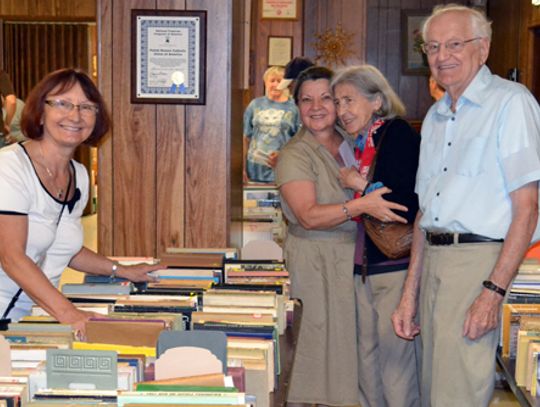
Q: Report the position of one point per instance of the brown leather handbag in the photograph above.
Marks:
(393, 239)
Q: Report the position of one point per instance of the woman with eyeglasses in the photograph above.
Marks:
(44, 192)
(386, 150)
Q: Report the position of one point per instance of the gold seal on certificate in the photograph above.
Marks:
(177, 78)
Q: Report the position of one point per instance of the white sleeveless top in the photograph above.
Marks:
(52, 239)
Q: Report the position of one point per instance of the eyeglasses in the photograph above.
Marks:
(85, 109)
(452, 46)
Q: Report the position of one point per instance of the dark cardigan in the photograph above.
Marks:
(397, 162)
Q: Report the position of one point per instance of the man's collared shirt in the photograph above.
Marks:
(471, 159)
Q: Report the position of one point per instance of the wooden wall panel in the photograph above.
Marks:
(383, 50)
(530, 27)
(320, 16)
(166, 169)
(238, 92)
(260, 31)
(134, 147)
(50, 9)
(504, 54)
(514, 25)
(105, 156)
(207, 136)
(170, 167)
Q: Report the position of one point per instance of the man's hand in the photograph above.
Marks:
(483, 315)
(403, 318)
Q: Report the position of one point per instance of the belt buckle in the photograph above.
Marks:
(441, 239)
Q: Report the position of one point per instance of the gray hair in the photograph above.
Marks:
(371, 84)
(480, 24)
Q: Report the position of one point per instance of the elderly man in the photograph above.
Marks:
(477, 184)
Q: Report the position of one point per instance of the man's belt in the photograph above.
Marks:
(442, 239)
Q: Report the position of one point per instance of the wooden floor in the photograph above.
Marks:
(501, 397)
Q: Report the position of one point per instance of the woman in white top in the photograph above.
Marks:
(44, 192)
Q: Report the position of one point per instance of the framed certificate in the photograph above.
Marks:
(279, 50)
(168, 56)
(280, 9)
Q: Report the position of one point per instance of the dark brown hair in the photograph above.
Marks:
(311, 74)
(61, 81)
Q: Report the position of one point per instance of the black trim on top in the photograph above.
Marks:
(13, 213)
(12, 303)
(77, 194)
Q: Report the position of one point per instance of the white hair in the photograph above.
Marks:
(480, 24)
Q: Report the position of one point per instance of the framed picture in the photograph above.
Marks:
(413, 59)
(280, 9)
(279, 50)
(168, 52)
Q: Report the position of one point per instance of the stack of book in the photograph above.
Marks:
(264, 272)
(13, 391)
(526, 286)
(252, 321)
(520, 330)
(249, 307)
(262, 215)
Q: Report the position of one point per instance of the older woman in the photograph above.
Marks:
(269, 122)
(369, 110)
(44, 192)
(320, 245)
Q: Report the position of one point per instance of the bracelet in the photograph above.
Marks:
(114, 270)
(493, 287)
(346, 212)
(364, 192)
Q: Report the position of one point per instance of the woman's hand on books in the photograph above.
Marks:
(77, 319)
(138, 272)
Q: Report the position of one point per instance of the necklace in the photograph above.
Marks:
(59, 191)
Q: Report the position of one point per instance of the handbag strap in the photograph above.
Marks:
(369, 178)
(371, 171)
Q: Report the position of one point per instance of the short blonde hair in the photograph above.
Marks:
(372, 84)
(480, 24)
(273, 70)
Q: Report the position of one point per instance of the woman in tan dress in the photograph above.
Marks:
(319, 248)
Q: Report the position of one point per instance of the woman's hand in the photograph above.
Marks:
(351, 178)
(375, 205)
(272, 159)
(77, 319)
(138, 272)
